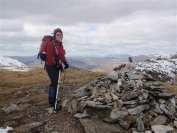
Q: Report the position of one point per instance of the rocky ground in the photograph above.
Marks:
(28, 112)
(134, 104)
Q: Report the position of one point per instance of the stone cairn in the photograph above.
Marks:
(136, 101)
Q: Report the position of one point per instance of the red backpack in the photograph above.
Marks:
(42, 50)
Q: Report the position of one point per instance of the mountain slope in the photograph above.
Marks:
(6, 61)
(161, 67)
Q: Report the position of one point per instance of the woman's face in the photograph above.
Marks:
(58, 36)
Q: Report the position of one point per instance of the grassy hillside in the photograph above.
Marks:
(11, 82)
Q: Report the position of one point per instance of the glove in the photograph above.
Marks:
(66, 65)
(56, 59)
(60, 67)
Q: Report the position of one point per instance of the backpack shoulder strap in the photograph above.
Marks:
(55, 47)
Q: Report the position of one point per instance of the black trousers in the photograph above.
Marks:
(53, 73)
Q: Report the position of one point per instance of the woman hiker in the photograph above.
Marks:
(55, 58)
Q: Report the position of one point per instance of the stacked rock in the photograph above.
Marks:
(128, 95)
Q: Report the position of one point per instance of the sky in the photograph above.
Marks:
(90, 27)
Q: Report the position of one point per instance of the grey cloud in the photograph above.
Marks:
(118, 25)
(72, 12)
(11, 26)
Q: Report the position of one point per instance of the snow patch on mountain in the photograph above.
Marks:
(9, 62)
(163, 67)
(5, 130)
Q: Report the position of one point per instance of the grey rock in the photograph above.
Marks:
(123, 79)
(134, 76)
(130, 83)
(110, 104)
(115, 114)
(135, 132)
(81, 115)
(99, 126)
(101, 83)
(139, 84)
(103, 107)
(120, 102)
(172, 109)
(156, 108)
(112, 89)
(138, 109)
(161, 101)
(99, 103)
(108, 120)
(64, 103)
(70, 109)
(145, 95)
(100, 99)
(161, 128)
(130, 102)
(140, 124)
(119, 82)
(34, 124)
(167, 112)
(171, 102)
(113, 76)
(159, 120)
(175, 124)
(91, 103)
(10, 108)
(124, 124)
(108, 97)
(160, 88)
(147, 85)
(114, 96)
(140, 97)
(74, 105)
(147, 132)
(115, 105)
(131, 105)
(102, 90)
(125, 86)
(129, 67)
(83, 91)
(116, 87)
(167, 95)
(129, 96)
(143, 101)
(50, 110)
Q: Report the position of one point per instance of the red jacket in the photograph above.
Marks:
(51, 53)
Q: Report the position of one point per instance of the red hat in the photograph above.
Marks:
(57, 30)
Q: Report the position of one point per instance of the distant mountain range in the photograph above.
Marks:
(103, 64)
(89, 63)
(163, 67)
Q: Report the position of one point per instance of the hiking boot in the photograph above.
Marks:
(51, 101)
(58, 105)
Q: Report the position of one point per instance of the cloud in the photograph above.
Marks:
(91, 27)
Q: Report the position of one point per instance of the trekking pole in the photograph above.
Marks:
(58, 86)
(64, 75)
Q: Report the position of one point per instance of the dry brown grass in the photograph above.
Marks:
(170, 88)
(11, 82)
